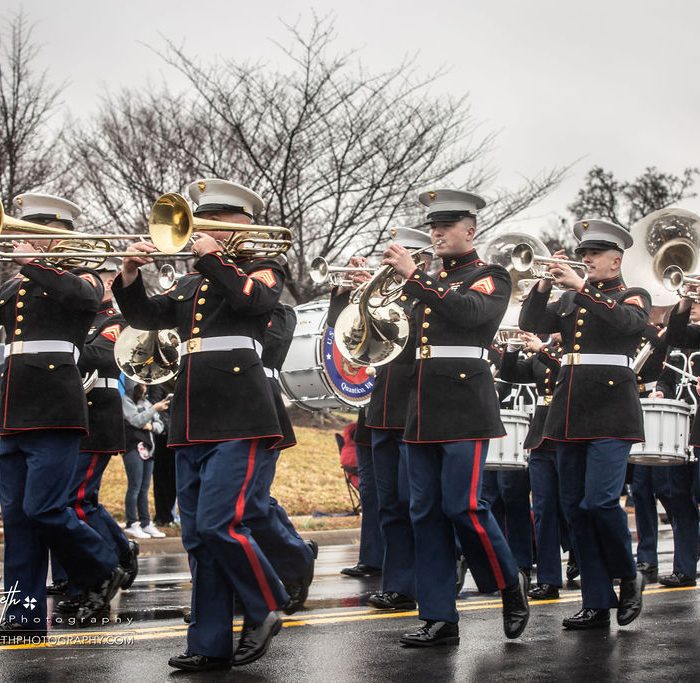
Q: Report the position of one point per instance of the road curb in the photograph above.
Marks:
(172, 545)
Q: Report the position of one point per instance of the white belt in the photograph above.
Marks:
(272, 373)
(199, 344)
(42, 346)
(544, 400)
(106, 383)
(597, 359)
(426, 351)
(649, 386)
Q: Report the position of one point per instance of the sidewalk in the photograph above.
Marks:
(173, 544)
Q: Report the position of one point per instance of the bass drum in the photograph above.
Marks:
(666, 428)
(508, 453)
(315, 375)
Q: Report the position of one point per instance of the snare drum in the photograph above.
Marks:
(315, 375)
(508, 453)
(666, 428)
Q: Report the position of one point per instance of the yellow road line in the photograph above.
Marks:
(173, 631)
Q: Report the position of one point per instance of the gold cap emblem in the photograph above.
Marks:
(584, 225)
(202, 186)
(432, 195)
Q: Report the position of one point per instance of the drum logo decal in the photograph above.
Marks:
(350, 381)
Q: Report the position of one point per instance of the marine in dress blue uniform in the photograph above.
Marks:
(386, 416)
(106, 436)
(452, 413)
(292, 557)
(540, 366)
(595, 414)
(677, 490)
(507, 491)
(223, 425)
(46, 312)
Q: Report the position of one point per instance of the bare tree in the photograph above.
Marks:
(604, 196)
(338, 153)
(31, 154)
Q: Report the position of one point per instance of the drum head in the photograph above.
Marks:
(315, 375)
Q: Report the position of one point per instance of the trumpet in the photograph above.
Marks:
(321, 271)
(675, 280)
(171, 226)
(524, 259)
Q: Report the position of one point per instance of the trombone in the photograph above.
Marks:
(524, 259)
(171, 226)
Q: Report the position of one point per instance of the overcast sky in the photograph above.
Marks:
(613, 82)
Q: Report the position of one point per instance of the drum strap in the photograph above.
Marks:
(228, 343)
(271, 372)
(597, 359)
(426, 351)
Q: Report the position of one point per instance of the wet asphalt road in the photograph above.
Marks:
(339, 639)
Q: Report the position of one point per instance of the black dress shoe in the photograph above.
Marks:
(544, 591)
(629, 606)
(187, 617)
(572, 570)
(13, 633)
(57, 587)
(96, 600)
(130, 565)
(68, 606)
(462, 567)
(392, 600)
(650, 572)
(255, 640)
(432, 633)
(199, 663)
(360, 570)
(516, 611)
(677, 580)
(298, 591)
(588, 618)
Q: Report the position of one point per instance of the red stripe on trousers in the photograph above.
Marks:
(79, 499)
(243, 540)
(481, 532)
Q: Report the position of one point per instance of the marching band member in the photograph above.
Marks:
(47, 312)
(223, 420)
(507, 491)
(292, 557)
(106, 437)
(452, 413)
(371, 552)
(386, 416)
(541, 367)
(646, 480)
(678, 490)
(595, 414)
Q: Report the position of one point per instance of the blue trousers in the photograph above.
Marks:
(83, 497)
(371, 542)
(645, 514)
(36, 469)
(445, 481)
(508, 493)
(213, 483)
(591, 476)
(544, 482)
(675, 488)
(272, 529)
(391, 475)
